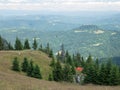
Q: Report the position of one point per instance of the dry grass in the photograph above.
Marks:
(10, 80)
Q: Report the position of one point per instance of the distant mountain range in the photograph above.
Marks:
(96, 35)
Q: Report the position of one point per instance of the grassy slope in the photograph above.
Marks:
(10, 80)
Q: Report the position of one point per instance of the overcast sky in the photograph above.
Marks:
(61, 5)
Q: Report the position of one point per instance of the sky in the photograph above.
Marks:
(61, 5)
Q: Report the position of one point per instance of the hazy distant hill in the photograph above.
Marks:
(79, 33)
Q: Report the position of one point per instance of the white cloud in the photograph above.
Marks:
(63, 5)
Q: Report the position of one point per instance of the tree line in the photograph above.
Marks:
(105, 73)
(64, 65)
(27, 67)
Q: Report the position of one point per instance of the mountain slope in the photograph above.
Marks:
(6, 58)
(11, 80)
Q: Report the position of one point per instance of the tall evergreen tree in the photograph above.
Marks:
(114, 76)
(51, 53)
(102, 75)
(18, 44)
(30, 71)
(52, 64)
(67, 73)
(37, 73)
(35, 44)
(25, 65)
(69, 60)
(50, 78)
(1, 43)
(57, 72)
(10, 46)
(48, 48)
(15, 65)
(26, 44)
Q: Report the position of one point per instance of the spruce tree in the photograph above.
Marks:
(30, 71)
(1, 43)
(25, 65)
(35, 44)
(67, 73)
(15, 65)
(114, 76)
(102, 75)
(10, 46)
(26, 44)
(37, 73)
(52, 63)
(73, 70)
(50, 78)
(57, 72)
(69, 60)
(18, 44)
(47, 48)
(51, 53)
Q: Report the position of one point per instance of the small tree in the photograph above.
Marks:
(30, 71)
(57, 72)
(25, 65)
(1, 44)
(18, 44)
(51, 53)
(67, 74)
(50, 78)
(26, 44)
(10, 46)
(15, 65)
(35, 44)
(52, 64)
(37, 73)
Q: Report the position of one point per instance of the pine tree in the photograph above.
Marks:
(41, 47)
(51, 53)
(67, 73)
(114, 75)
(90, 75)
(69, 60)
(73, 70)
(108, 69)
(50, 78)
(15, 65)
(57, 72)
(30, 71)
(35, 44)
(26, 44)
(25, 65)
(52, 64)
(37, 73)
(1, 43)
(10, 46)
(102, 75)
(18, 44)
(47, 48)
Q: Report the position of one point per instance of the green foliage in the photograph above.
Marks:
(67, 73)
(106, 74)
(30, 71)
(18, 44)
(50, 78)
(57, 72)
(10, 46)
(25, 65)
(26, 44)
(37, 73)
(52, 64)
(15, 65)
(1, 43)
(51, 53)
(35, 44)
